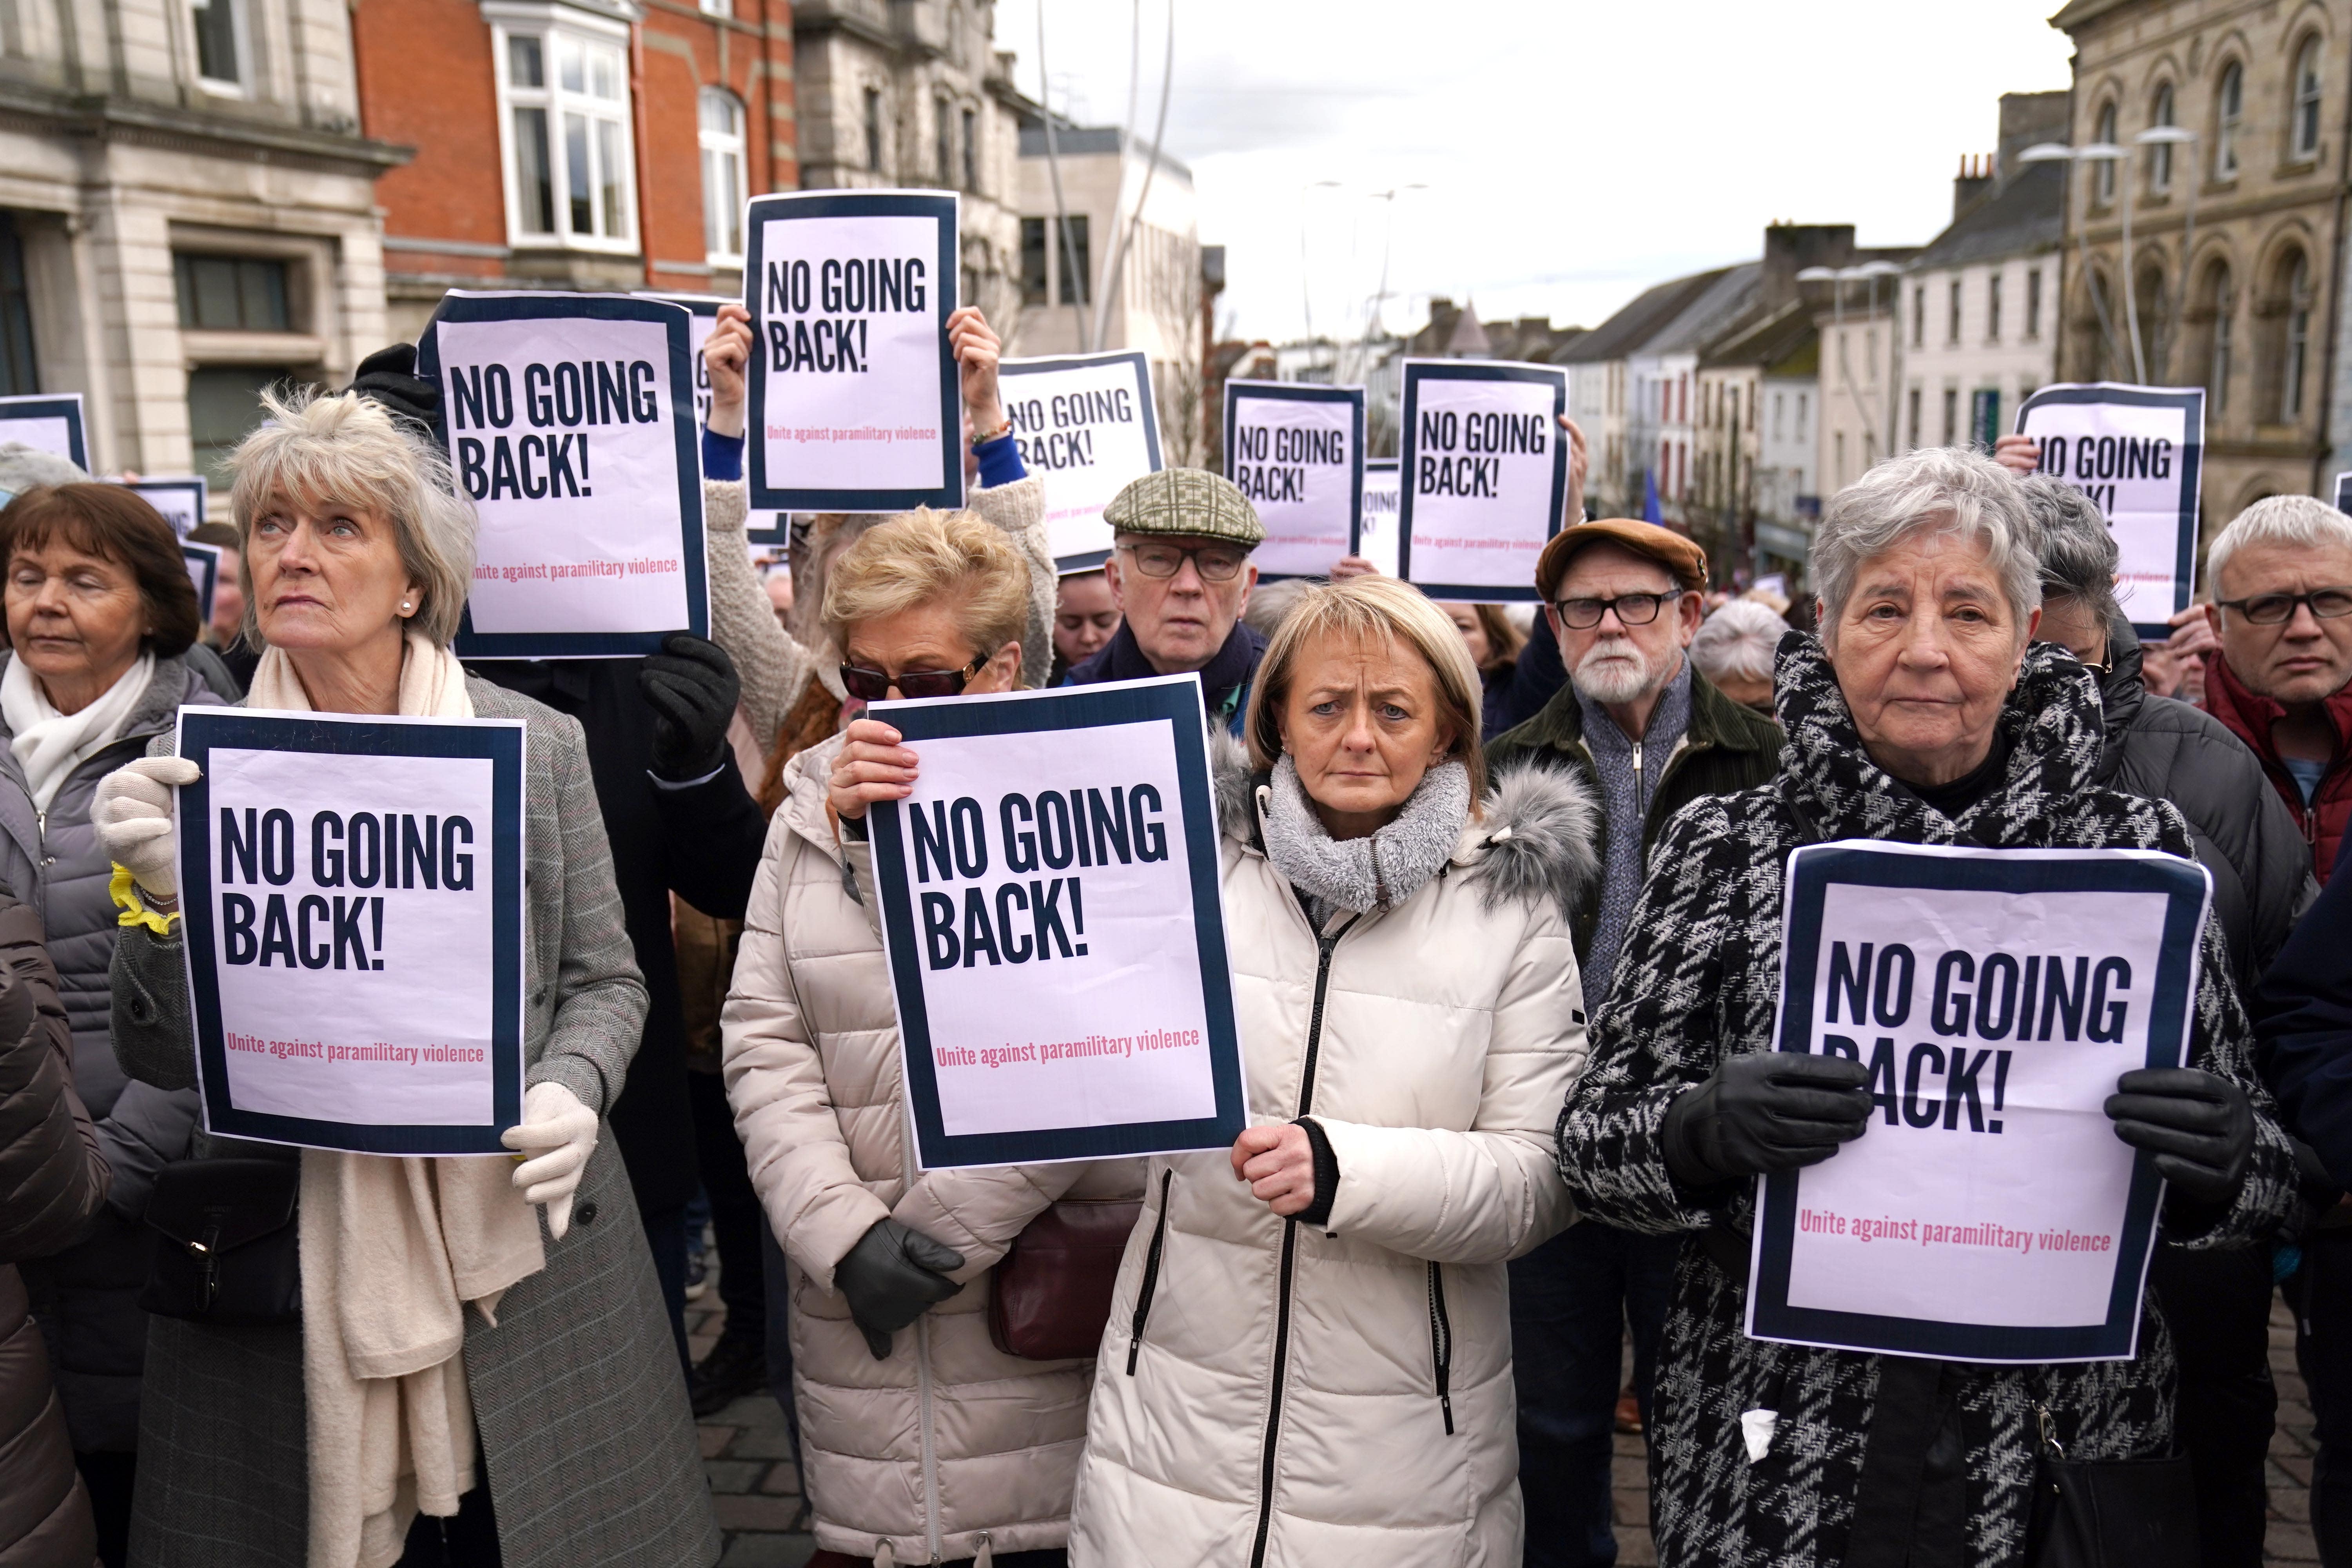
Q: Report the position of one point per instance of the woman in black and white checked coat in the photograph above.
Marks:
(1922, 716)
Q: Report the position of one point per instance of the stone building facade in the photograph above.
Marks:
(2253, 313)
(187, 212)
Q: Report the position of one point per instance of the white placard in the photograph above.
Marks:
(48, 422)
(1296, 450)
(354, 912)
(854, 397)
(1087, 427)
(1376, 536)
(569, 424)
(204, 571)
(1484, 474)
(179, 499)
(2136, 453)
(1989, 1211)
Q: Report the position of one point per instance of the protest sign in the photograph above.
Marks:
(1376, 525)
(1296, 451)
(1989, 1213)
(702, 315)
(1087, 425)
(2343, 492)
(180, 501)
(855, 405)
(2137, 452)
(1051, 908)
(46, 423)
(568, 422)
(353, 891)
(1484, 474)
(204, 571)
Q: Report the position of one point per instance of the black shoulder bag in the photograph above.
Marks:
(227, 1251)
(2109, 1513)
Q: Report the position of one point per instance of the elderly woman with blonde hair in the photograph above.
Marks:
(921, 1441)
(1309, 1354)
(443, 1347)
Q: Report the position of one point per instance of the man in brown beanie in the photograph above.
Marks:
(1648, 733)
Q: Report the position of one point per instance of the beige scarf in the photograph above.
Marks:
(392, 1251)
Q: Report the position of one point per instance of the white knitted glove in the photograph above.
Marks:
(557, 1135)
(132, 813)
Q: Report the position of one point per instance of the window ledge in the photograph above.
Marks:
(199, 346)
(554, 244)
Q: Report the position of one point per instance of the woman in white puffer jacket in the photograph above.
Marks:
(1309, 1360)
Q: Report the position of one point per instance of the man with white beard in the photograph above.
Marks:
(1650, 734)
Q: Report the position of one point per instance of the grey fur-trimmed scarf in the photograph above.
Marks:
(1355, 874)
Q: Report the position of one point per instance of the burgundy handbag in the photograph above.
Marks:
(1050, 1297)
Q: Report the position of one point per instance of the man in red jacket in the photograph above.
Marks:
(2282, 612)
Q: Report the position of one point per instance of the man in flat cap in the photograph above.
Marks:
(1180, 571)
(1648, 733)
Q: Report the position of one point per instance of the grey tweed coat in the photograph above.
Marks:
(587, 1440)
(1699, 982)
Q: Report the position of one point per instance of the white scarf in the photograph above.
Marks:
(392, 1251)
(49, 744)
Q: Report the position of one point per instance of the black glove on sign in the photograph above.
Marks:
(1762, 1112)
(692, 688)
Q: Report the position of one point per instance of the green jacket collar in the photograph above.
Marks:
(1715, 721)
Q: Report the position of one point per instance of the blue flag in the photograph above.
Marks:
(1650, 513)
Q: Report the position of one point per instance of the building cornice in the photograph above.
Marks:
(168, 128)
(2080, 12)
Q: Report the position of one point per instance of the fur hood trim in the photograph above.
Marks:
(1537, 836)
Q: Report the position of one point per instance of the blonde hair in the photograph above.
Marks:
(949, 558)
(1370, 607)
(342, 448)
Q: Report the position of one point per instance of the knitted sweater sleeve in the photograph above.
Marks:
(774, 669)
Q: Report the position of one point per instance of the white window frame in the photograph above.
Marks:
(718, 8)
(551, 24)
(731, 146)
(2306, 96)
(241, 27)
(2227, 120)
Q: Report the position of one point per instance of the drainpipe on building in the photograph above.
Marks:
(637, 115)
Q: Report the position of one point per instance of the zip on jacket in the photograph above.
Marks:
(1151, 1276)
(1441, 1344)
(1268, 1454)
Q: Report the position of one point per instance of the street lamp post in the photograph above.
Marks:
(2178, 136)
(2101, 153)
(1306, 276)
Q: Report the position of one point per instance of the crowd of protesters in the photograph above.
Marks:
(1502, 899)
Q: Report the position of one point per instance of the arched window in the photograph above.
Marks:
(2229, 114)
(2105, 188)
(2296, 357)
(2223, 304)
(2160, 156)
(724, 191)
(2100, 328)
(2155, 304)
(2304, 134)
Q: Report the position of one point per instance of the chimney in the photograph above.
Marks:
(1790, 248)
(1974, 183)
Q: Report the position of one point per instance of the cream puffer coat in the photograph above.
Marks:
(1272, 1393)
(949, 1446)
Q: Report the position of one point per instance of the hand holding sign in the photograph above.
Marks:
(723, 357)
(977, 350)
(1767, 1111)
(132, 813)
(2199, 1127)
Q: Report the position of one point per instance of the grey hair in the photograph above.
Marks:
(2277, 520)
(1738, 640)
(1941, 487)
(2078, 549)
(315, 448)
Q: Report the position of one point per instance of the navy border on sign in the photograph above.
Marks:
(2191, 400)
(1009, 370)
(51, 405)
(1812, 870)
(949, 495)
(210, 554)
(672, 318)
(147, 490)
(1415, 372)
(1177, 705)
(1240, 392)
(235, 728)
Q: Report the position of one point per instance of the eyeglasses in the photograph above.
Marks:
(1215, 562)
(874, 685)
(1633, 609)
(2277, 609)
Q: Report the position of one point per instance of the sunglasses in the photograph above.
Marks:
(874, 685)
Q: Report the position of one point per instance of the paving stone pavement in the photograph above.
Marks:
(747, 1453)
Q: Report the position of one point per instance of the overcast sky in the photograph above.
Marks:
(1573, 152)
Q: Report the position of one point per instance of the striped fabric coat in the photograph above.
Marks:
(587, 1441)
(1699, 982)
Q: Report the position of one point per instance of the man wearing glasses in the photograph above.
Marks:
(1648, 733)
(1180, 573)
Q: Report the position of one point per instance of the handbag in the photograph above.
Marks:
(228, 1251)
(1049, 1299)
(2109, 1513)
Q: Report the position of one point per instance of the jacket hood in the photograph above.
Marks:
(1535, 837)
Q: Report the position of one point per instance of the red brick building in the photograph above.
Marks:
(573, 143)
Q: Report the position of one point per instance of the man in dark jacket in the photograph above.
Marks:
(1649, 734)
(1181, 573)
(2216, 1301)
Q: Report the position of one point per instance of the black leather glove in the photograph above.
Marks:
(892, 1277)
(2199, 1127)
(1762, 1112)
(692, 688)
(389, 376)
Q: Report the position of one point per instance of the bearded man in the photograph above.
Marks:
(1650, 734)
